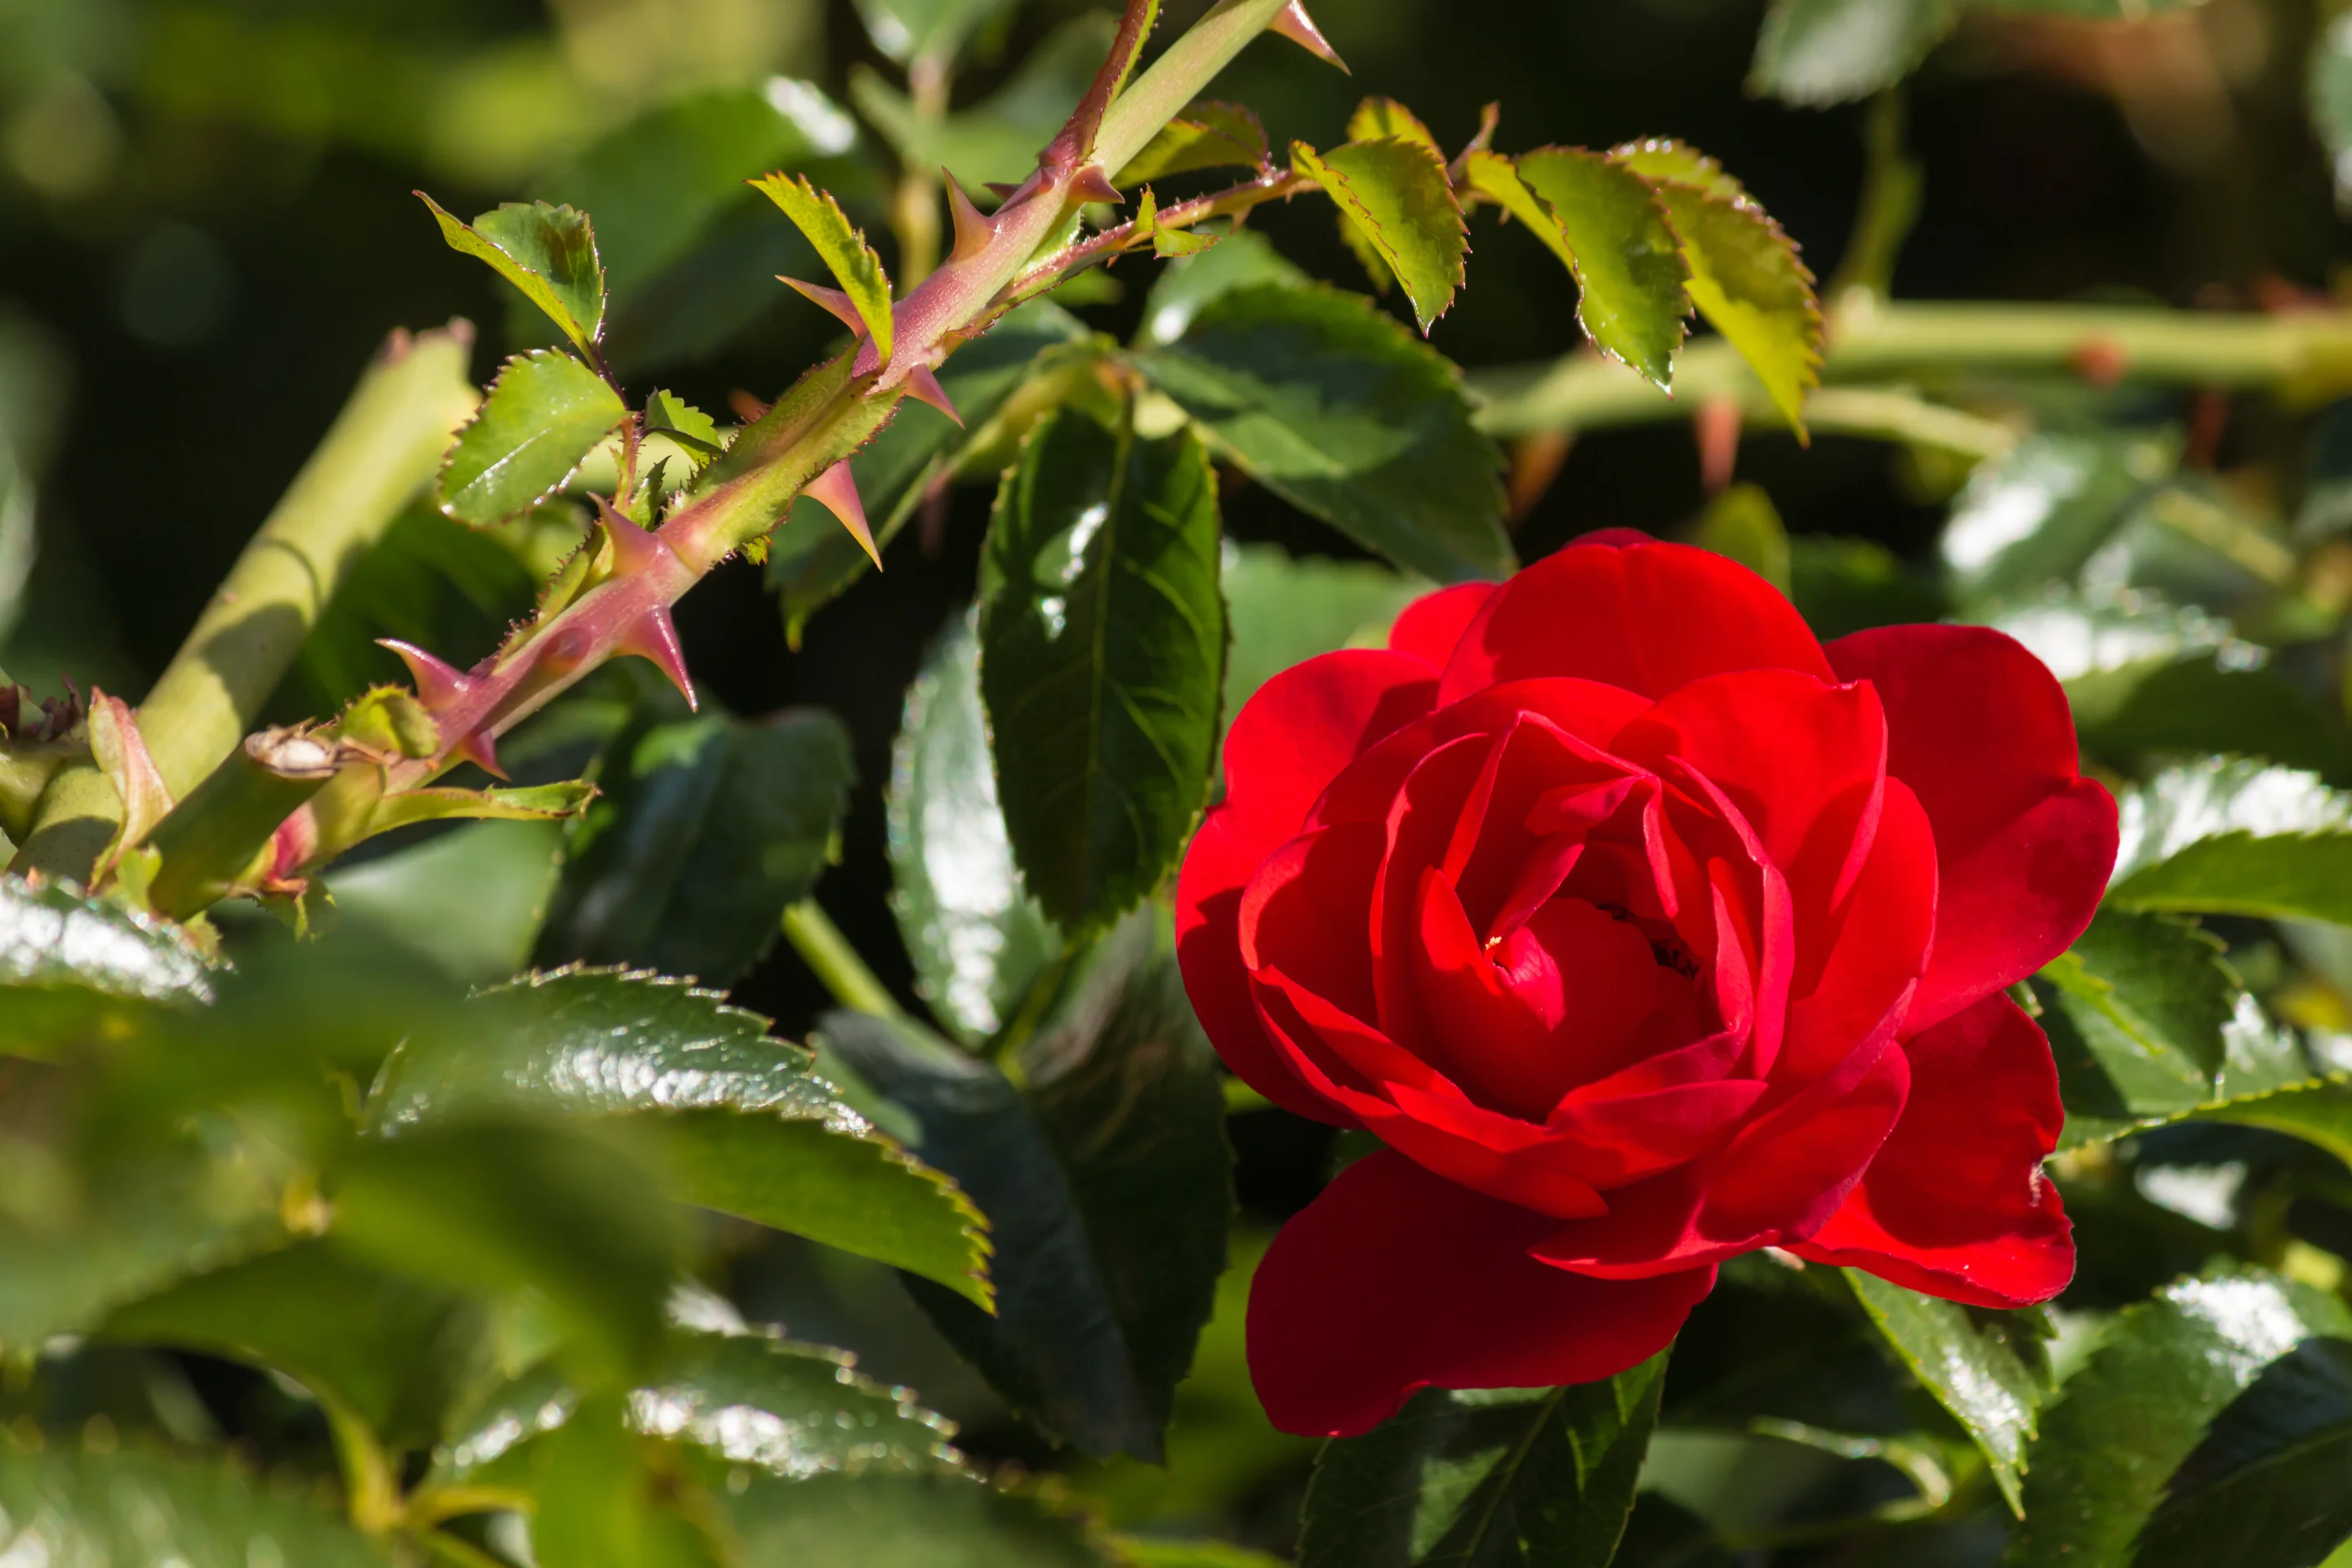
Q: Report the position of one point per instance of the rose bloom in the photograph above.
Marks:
(1644, 931)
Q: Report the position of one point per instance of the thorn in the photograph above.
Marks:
(654, 636)
(481, 749)
(833, 300)
(973, 231)
(1296, 25)
(438, 683)
(923, 386)
(635, 550)
(1003, 189)
(1091, 185)
(836, 490)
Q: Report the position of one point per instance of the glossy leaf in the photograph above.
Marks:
(74, 967)
(2320, 1114)
(743, 1124)
(1394, 193)
(2147, 1402)
(1105, 1177)
(1745, 277)
(2276, 876)
(910, 1521)
(1819, 52)
(1102, 642)
(1990, 1370)
(548, 252)
(842, 247)
(1207, 135)
(2041, 508)
(545, 412)
(1609, 229)
(2216, 797)
(1525, 1476)
(2267, 1484)
(67, 1509)
(1286, 609)
(1184, 288)
(705, 829)
(977, 940)
(1332, 405)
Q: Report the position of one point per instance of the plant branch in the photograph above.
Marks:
(834, 963)
(1042, 274)
(1177, 77)
(383, 449)
(2303, 358)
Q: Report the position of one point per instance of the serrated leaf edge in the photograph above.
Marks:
(445, 506)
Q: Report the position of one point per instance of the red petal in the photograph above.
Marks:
(1394, 1281)
(1431, 625)
(1287, 741)
(1876, 945)
(1956, 1204)
(1982, 734)
(1647, 617)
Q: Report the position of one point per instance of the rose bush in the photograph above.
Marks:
(1644, 931)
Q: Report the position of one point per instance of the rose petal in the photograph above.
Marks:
(1878, 946)
(1647, 617)
(1980, 731)
(1429, 626)
(1287, 742)
(1394, 1281)
(1957, 1205)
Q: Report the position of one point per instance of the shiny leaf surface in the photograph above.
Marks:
(1990, 1370)
(1394, 193)
(65, 1509)
(548, 252)
(544, 413)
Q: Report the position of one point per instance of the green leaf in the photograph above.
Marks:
(1286, 609)
(744, 1125)
(2147, 1402)
(76, 968)
(1843, 586)
(707, 828)
(1394, 193)
(2328, 91)
(842, 247)
(1377, 119)
(548, 252)
(392, 1351)
(1819, 52)
(469, 900)
(545, 412)
(1332, 405)
(604, 1497)
(1105, 1177)
(2267, 1484)
(2320, 1114)
(1742, 524)
(1102, 658)
(909, 1521)
(996, 139)
(812, 559)
(1207, 135)
(1609, 229)
(925, 29)
(2218, 797)
(2040, 510)
(1241, 259)
(1533, 1475)
(1745, 277)
(88, 1509)
(1990, 1370)
(1155, 1552)
(684, 426)
(2277, 876)
(977, 940)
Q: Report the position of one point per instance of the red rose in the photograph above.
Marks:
(1644, 931)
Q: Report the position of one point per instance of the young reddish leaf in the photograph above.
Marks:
(1208, 135)
(1610, 229)
(1377, 118)
(1394, 192)
(844, 248)
(1745, 277)
(548, 252)
(120, 753)
(544, 414)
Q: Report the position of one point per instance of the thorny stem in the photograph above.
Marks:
(835, 962)
(1273, 185)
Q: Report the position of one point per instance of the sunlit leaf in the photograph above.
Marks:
(1184, 288)
(1334, 406)
(604, 1497)
(1609, 229)
(2041, 510)
(1395, 195)
(548, 252)
(2226, 837)
(544, 413)
(1378, 118)
(1207, 135)
(1831, 51)
(842, 247)
(1542, 1474)
(1990, 1370)
(1102, 658)
(130, 1509)
(75, 967)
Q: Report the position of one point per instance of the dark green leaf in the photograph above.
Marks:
(1535, 1476)
(705, 830)
(909, 1522)
(746, 1126)
(2039, 512)
(1332, 405)
(1240, 259)
(392, 1351)
(470, 900)
(1831, 51)
(1286, 609)
(1106, 1180)
(2320, 1114)
(977, 940)
(74, 967)
(1207, 135)
(604, 1497)
(2289, 876)
(1395, 194)
(548, 252)
(1102, 659)
(2146, 999)
(1154, 1551)
(1609, 229)
(1990, 1370)
(2146, 1403)
(544, 414)
(2202, 704)
(812, 558)
(2269, 1483)
(1845, 585)
(88, 1509)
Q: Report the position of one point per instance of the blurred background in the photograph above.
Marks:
(206, 228)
